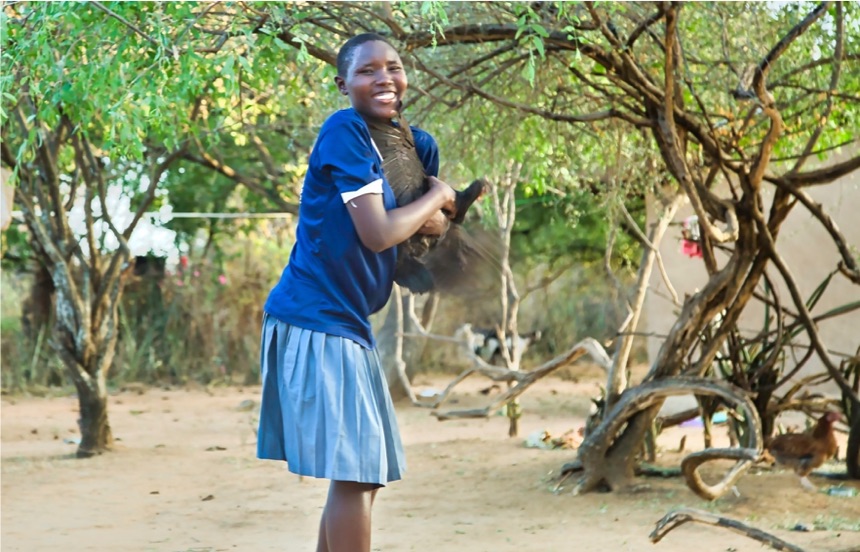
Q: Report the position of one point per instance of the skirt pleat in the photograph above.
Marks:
(326, 409)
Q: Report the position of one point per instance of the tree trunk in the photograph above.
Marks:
(87, 351)
(610, 463)
(96, 434)
(413, 348)
(852, 456)
(36, 308)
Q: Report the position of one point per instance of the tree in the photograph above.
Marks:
(745, 104)
(102, 101)
(746, 107)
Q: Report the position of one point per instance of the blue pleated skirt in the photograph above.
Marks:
(326, 409)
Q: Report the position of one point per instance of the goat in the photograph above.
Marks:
(484, 343)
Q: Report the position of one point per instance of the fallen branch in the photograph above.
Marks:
(676, 518)
(523, 379)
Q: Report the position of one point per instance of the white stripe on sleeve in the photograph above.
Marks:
(374, 187)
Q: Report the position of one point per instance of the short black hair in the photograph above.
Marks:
(347, 51)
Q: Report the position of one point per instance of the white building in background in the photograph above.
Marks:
(7, 198)
(149, 237)
(809, 253)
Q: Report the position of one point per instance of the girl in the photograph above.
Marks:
(325, 408)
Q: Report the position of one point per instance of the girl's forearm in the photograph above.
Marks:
(379, 229)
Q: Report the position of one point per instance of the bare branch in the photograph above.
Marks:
(385, 15)
(781, 46)
(848, 265)
(766, 99)
(525, 380)
(611, 113)
(601, 24)
(819, 176)
(208, 7)
(50, 224)
(679, 517)
(670, 10)
(644, 25)
(811, 329)
(617, 377)
(649, 396)
(745, 458)
(398, 348)
(643, 239)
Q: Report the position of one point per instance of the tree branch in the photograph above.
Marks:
(819, 176)
(766, 99)
(781, 46)
(149, 196)
(644, 25)
(315, 51)
(126, 22)
(679, 517)
(206, 160)
(768, 241)
(848, 264)
(834, 80)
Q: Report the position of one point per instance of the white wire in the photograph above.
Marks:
(19, 214)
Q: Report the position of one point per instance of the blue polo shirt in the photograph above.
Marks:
(332, 282)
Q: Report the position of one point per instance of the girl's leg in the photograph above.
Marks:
(345, 524)
(322, 544)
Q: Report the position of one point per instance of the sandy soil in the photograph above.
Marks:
(184, 478)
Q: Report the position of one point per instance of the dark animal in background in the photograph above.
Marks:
(803, 452)
(431, 263)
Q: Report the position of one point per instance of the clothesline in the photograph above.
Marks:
(188, 215)
(224, 215)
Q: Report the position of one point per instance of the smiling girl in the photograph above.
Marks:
(326, 409)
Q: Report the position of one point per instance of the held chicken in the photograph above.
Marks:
(803, 452)
(432, 263)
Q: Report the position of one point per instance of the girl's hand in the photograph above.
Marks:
(448, 195)
(436, 225)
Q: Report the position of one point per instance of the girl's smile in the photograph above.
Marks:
(375, 81)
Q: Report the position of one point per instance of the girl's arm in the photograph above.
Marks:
(379, 229)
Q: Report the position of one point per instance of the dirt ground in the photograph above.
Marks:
(184, 478)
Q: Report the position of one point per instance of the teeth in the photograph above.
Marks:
(387, 96)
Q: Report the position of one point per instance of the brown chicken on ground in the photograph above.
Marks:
(803, 452)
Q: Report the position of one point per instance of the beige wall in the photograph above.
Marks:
(808, 251)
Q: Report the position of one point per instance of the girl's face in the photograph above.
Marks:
(375, 81)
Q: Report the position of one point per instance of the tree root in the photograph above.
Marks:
(644, 469)
(601, 448)
(745, 457)
(679, 517)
